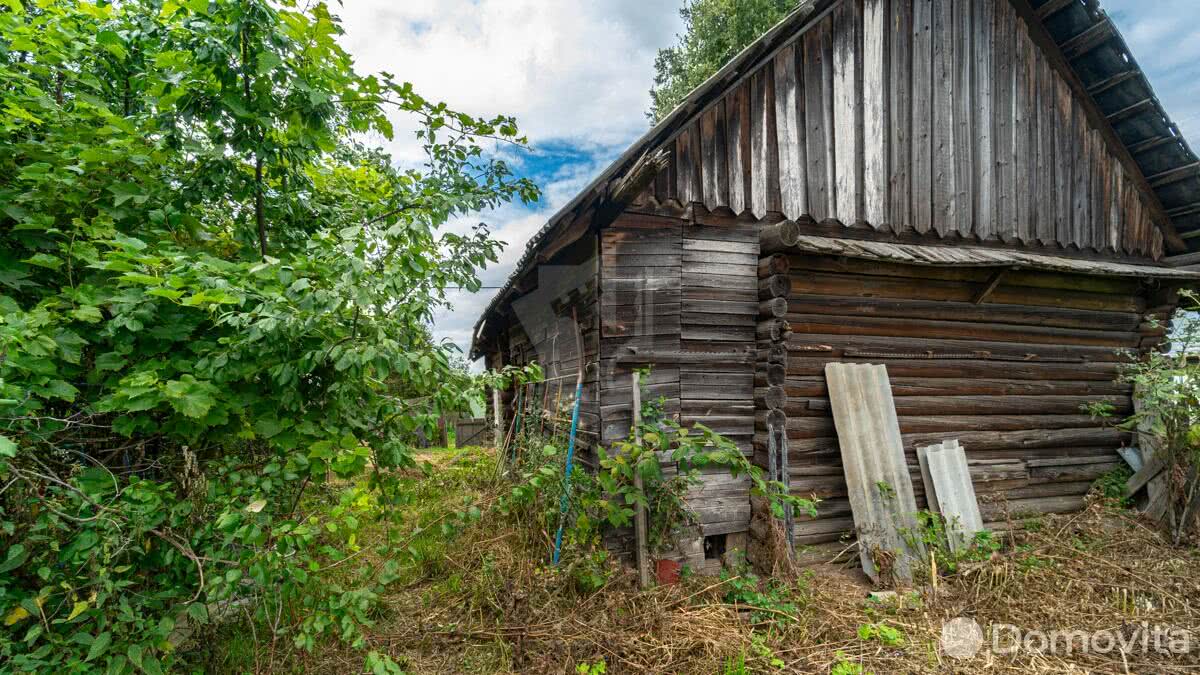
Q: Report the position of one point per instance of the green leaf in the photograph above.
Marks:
(44, 260)
(7, 449)
(88, 314)
(16, 557)
(198, 612)
(190, 397)
(99, 646)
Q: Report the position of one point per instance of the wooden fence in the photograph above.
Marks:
(472, 432)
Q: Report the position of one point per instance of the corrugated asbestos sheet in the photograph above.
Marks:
(880, 489)
(980, 256)
(950, 491)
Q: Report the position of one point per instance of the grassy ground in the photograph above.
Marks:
(480, 598)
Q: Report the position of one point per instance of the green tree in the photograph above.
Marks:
(214, 299)
(715, 31)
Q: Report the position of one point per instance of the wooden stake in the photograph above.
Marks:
(499, 425)
(639, 518)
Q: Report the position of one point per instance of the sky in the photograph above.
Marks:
(576, 74)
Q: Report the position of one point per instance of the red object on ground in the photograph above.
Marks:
(668, 572)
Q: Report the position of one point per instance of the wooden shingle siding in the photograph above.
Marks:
(914, 115)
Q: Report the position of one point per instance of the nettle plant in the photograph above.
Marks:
(214, 311)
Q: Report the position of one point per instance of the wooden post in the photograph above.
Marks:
(496, 421)
(639, 518)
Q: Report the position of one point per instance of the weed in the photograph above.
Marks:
(1111, 486)
(597, 668)
(844, 666)
(769, 601)
(881, 633)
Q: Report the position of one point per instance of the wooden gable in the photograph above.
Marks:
(928, 116)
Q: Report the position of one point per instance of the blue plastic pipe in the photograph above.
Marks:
(566, 496)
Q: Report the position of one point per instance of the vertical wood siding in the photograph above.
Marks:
(914, 115)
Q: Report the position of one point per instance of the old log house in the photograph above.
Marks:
(985, 196)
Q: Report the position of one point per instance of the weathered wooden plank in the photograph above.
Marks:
(922, 116)
(945, 189)
(737, 112)
(813, 363)
(983, 180)
(1024, 157)
(965, 137)
(764, 174)
(818, 107)
(1064, 180)
(875, 83)
(873, 457)
(894, 347)
(899, 75)
(1003, 92)
(789, 128)
(847, 111)
(713, 153)
(1047, 209)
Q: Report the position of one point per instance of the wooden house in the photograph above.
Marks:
(985, 196)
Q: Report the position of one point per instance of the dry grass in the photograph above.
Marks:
(491, 604)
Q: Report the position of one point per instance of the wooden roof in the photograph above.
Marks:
(1120, 200)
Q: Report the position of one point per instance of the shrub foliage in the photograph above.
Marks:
(214, 299)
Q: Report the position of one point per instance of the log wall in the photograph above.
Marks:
(929, 117)
(1007, 373)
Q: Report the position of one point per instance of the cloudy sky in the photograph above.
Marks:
(576, 74)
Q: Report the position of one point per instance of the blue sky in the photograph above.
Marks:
(576, 74)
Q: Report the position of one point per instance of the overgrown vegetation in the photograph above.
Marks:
(214, 310)
(714, 32)
(1167, 386)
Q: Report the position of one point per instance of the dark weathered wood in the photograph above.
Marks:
(777, 286)
(818, 115)
(1013, 315)
(773, 264)
(814, 387)
(779, 237)
(774, 330)
(770, 398)
(789, 127)
(847, 112)
(770, 375)
(774, 308)
(932, 329)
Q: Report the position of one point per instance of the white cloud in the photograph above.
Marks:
(575, 74)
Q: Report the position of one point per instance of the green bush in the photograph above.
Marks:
(214, 311)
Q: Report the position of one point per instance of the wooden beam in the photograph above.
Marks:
(1174, 175)
(991, 286)
(1152, 143)
(639, 518)
(1113, 81)
(1053, 7)
(1089, 39)
(1144, 105)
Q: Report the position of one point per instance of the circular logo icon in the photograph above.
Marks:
(962, 638)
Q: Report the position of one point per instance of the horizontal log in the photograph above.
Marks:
(775, 308)
(611, 260)
(772, 375)
(816, 283)
(800, 364)
(774, 330)
(815, 387)
(772, 265)
(770, 398)
(727, 257)
(739, 308)
(977, 441)
(778, 286)
(774, 354)
(913, 274)
(948, 425)
(877, 346)
(902, 308)
(982, 405)
(779, 237)
(934, 329)
(1020, 508)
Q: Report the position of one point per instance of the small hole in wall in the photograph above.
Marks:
(714, 547)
